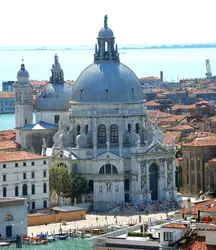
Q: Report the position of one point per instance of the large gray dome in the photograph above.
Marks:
(107, 82)
(54, 97)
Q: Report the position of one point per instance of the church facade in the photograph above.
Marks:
(108, 136)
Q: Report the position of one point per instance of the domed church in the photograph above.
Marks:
(52, 104)
(108, 136)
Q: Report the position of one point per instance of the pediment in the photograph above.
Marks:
(107, 156)
(158, 148)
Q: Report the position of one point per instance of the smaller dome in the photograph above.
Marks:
(22, 72)
(105, 33)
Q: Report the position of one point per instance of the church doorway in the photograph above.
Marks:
(153, 171)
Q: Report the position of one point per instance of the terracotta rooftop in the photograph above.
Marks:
(193, 135)
(181, 127)
(19, 156)
(174, 118)
(207, 206)
(4, 95)
(150, 78)
(9, 144)
(202, 142)
(158, 114)
(169, 135)
(174, 225)
(196, 244)
(213, 228)
(180, 106)
(7, 135)
(151, 103)
(40, 83)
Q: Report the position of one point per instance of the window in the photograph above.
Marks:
(114, 133)
(168, 236)
(101, 134)
(4, 192)
(16, 191)
(24, 176)
(108, 169)
(44, 188)
(25, 121)
(33, 189)
(198, 165)
(4, 177)
(24, 190)
(44, 174)
(126, 185)
(129, 127)
(45, 204)
(32, 163)
(32, 175)
(33, 205)
(137, 128)
(199, 180)
(4, 165)
(44, 162)
(16, 165)
(187, 171)
(86, 129)
(78, 129)
(56, 119)
(8, 218)
(24, 164)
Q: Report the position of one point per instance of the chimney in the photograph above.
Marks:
(161, 76)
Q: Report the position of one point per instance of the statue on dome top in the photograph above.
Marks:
(105, 21)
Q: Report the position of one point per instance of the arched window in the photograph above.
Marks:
(114, 133)
(101, 170)
(137, 128)
(78, 129)
(91, 185)
(114, 170)
(101, 134)
(4, 192)
(8, 218)
(108, 169)
(33, 188)
(16, 191)
(129, 127)
(62, 165)
(126, 185)
(86, 129)
(44, 188)
(24, 190)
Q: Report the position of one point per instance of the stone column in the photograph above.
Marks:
(148, 181)
(174, 179)
(166, 190)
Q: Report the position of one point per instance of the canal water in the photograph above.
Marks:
(71, 244)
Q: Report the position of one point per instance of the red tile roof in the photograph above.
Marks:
(151, 103)
(9, 144)
(158, 114)
(150, 78)
(207, 206)
(181, 128)
(19, 156)
(174, 118)
(7, 135)
(169, 135)
(202, 142)
(7, 94)
(39, 83)
(174, 225)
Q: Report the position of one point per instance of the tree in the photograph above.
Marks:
(60, 182)
(79, 186)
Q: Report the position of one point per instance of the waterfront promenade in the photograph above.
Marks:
(94, 221)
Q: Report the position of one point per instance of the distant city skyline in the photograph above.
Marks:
(69, 23)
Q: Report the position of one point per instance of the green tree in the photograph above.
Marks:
(79, 186)
(60, 182)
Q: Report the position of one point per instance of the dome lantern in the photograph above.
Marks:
(22, 74)
(106, 49)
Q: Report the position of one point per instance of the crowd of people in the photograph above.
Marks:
(149, 207)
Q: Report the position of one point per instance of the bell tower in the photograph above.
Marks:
(23, 102)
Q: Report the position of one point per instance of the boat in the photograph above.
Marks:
(50, 238)
(60, 236)
(5, 244)
(35, 240)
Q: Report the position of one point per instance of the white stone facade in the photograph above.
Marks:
(26, 178)
(13, 217)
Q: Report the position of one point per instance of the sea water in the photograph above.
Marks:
(71, 244)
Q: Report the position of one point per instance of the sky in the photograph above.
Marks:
(77, 22)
